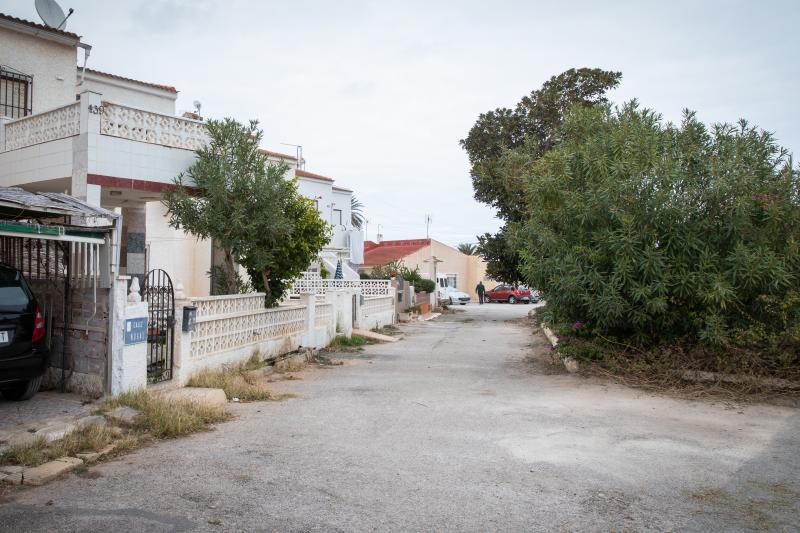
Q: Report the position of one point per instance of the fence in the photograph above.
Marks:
(312, 283)
(229, 329)
(226, 323)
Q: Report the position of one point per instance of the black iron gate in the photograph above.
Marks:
(160, 299)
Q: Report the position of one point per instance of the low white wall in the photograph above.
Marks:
(377, 312)
(230, 329)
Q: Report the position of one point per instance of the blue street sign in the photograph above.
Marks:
(135, 330)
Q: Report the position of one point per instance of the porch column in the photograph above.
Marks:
(134, 221)
(84, 148)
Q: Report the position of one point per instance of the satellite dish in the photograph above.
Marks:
(52, 14)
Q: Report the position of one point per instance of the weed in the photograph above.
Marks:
(87, 439)
(235, 380)
(340, 342)
(168, 419)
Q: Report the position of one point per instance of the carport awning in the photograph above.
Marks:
(23, 211)
(16, 203)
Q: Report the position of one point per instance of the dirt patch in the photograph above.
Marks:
(753, 510)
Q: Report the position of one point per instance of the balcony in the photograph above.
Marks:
(96, 142)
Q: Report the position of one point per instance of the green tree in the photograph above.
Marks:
(236, 195)
(502, 258)
(467, 248)
(246, 205)
(272, 269)
(532, 126)
(504, 143)
(650, 232)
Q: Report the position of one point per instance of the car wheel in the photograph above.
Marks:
(23, 390)
(512, 300)
(526, 302)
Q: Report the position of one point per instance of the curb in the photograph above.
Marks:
(570, 363)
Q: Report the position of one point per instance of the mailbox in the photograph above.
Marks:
(189, 318)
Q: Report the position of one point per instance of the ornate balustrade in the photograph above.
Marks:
(237, 325)
(312, 283)
(153, 128)
(45, 127)
(323, 315)
(209, 306)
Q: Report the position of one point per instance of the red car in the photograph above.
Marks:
(507, 293)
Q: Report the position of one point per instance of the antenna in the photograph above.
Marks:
(301, 163)
(52, 15)
(428, 221)
(197, 106)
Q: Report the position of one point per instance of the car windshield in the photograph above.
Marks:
(13, 295)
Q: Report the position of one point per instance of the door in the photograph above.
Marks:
(160, 297)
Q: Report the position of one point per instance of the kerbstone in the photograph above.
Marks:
(39, 475)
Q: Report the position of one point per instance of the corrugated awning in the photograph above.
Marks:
(16, 203)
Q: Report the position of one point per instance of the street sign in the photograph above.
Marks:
(135, 330)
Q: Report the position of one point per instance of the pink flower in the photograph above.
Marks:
(577, 325)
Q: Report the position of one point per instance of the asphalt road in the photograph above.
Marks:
(462, 426)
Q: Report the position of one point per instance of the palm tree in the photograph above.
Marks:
(467, 248)
(356, 212)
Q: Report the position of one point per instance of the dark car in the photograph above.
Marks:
(508, 293)
(23, 354)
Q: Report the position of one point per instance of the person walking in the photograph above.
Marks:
(481, 290)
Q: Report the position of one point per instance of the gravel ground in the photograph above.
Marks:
(460, 426)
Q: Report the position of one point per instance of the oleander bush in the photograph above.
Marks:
(648, 233)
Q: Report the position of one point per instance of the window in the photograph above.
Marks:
(16, 93)
(337, 216)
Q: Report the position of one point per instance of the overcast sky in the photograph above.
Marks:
(379, 93)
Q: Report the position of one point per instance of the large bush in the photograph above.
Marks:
(650, 231)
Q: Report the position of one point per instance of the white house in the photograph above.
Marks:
(116, 142)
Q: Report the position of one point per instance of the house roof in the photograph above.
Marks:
(167, 88)
(277, 154)
(385, 251)
(38, 26)
(341, 189)
(310, 175)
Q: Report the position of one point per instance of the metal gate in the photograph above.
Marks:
(160, 299)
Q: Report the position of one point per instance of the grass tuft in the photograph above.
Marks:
(168, 419)
(235, 380)
(87, 439)
(340, 342)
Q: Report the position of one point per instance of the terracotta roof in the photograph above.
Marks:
(385, 251)
(39, 26)
(277, 154)
(342, 189)
(167, 88)
(304, 174)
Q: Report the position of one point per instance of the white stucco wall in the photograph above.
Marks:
(130, 94)
(51, 64)
(317, 190)
(181, 255)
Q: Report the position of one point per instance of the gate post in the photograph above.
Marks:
(182, 354)
(129, 365)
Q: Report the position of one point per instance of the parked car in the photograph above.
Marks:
(507, 293)
(454, 296)
(23, 354)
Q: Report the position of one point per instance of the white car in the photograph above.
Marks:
(454, 296)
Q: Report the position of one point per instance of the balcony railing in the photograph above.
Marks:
(49, 126)
(153, 128)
